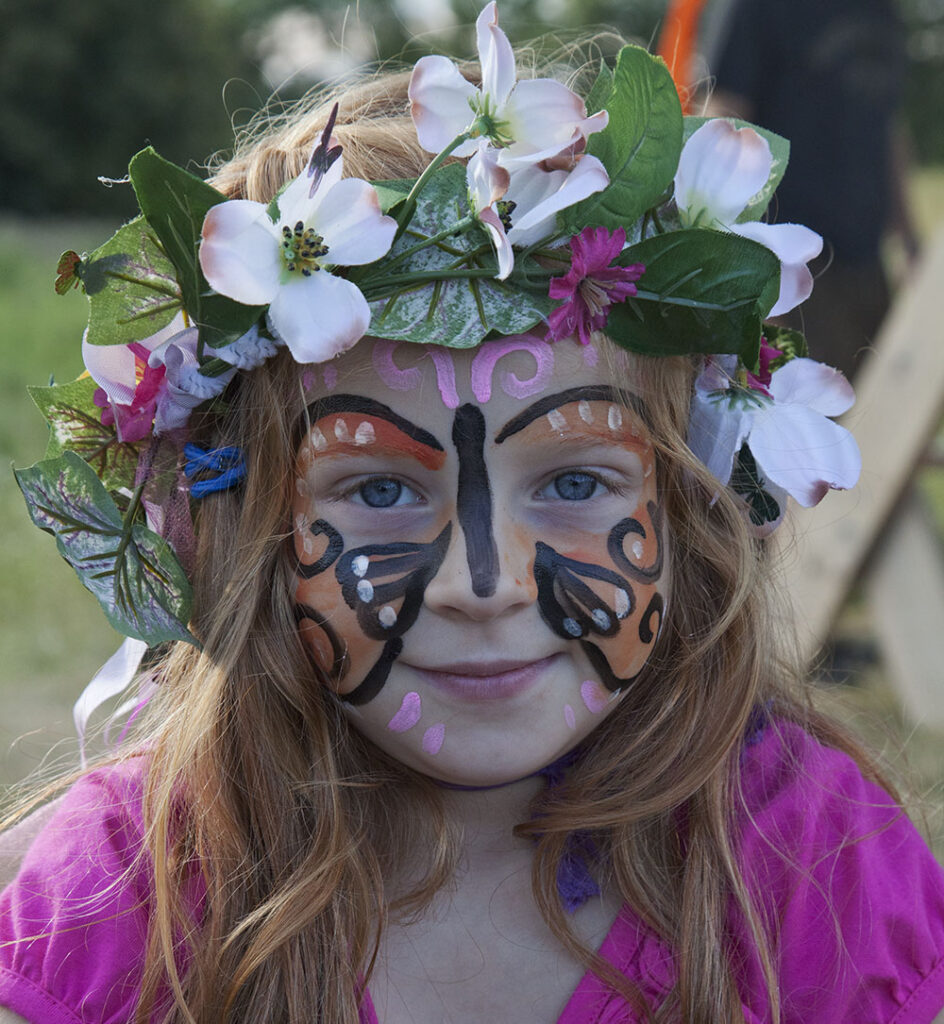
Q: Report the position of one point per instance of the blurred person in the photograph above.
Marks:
(827, 75)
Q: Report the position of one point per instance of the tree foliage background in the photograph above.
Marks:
(83, 86)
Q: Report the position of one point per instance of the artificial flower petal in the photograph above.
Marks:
(354, 229)
(540, 195)
(440, 102)
(794, 245)
(803, 452)
(720, 170)
(716, 430)
(545, 116)
(239, 253)
(815, 385)
(318, 317)
(496, 57)
(114, 368)
(296, 202)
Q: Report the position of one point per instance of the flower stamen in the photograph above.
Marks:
(302, 249)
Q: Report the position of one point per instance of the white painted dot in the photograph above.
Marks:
(318, 439)
(308, 544)
(621, 603)
(387, 616)
(637, 549)
(365, 590)
(572, 626)
(586, 413)
(614, 417)
(600, 617)
(301, 523)
(557, 420)
(359, 565)
(301, 486)
(364, 433)
(340, 430)
(648, 472)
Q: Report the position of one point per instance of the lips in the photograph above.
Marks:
(489, 680)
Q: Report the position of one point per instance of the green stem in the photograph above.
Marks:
(395, 280)
(690, 303)
(128, 523)
(460, 225)
(405, 214)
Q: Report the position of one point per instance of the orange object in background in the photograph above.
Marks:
(677, 45)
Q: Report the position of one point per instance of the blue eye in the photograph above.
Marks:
(384, 492)
(575, 486)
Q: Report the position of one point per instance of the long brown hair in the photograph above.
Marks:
(285, 823)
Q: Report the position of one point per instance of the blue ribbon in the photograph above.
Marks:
(227, 463)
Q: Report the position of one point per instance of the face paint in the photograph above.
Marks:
(380, 585)
(398, 379)
(483, 366)
(410, 712)
(488, 568)
(433, 738)
(593, 596)
(474, 499)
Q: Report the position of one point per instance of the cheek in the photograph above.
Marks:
(353, 606)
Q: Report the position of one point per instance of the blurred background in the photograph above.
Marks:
(84, 86)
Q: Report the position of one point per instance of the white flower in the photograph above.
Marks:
(720, 170)
(520, 207)
(287, 264)
(796, 447)
(532, 119)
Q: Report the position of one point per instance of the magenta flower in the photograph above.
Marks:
(135, 419)
(591, 285)
(761, 381)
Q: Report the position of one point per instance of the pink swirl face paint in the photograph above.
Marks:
(483, 367)
(411, 709)
(569, 717)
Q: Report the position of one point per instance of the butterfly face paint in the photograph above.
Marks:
(479, 570)
(600, 590)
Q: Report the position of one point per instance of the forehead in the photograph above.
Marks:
(505, 378)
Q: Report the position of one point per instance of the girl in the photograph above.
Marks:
(480, 707)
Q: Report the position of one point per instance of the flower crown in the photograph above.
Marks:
(610, 213)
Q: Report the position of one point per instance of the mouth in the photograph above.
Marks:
(485, 680)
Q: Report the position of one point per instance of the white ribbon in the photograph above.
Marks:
(113, 677)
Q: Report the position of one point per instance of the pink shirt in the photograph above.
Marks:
(855, 894)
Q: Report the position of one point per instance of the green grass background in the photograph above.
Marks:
(52, 635)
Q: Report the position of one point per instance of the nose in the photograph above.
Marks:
(465, 587)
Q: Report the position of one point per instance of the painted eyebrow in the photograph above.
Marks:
(587, 393)
(322, 407)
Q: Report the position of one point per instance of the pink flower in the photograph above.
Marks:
(591, 285)
(134, 419)
(761, 381)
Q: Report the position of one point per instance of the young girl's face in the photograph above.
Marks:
(482, 563)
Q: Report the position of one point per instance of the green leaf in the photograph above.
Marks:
(639, 147)
(392, 192)
(746, 481)
(457, 312)
(175, 203)
(702, 291)
(75, 423)
(600, 90)
(131, 285)
(131, 570)
(780, 154)
(790, 342)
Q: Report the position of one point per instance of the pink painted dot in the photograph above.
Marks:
(569, 717)
(594, 695)
(409, 714)
(308, 380)
(590, 355)
(330, 378)
(433, 738)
